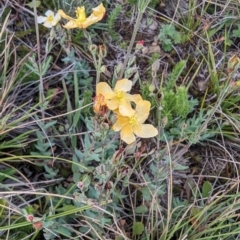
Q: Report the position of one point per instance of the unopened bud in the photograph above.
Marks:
(237, 83)
(102, 51)
(233, 64)
(155, 65)
(164, 121)
(151, 88)
(93, 49)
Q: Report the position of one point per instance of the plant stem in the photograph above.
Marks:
(142, 5)
(139, 17)
(41, 88)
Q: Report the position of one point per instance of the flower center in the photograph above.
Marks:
(119, 94)
(50, 18)
(81, 15)
(133, 120)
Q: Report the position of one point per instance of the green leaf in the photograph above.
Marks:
(138, 228)
(46, 64)
(76, 119)
(119, 238)
(79, 154)
(6, 172)
(31, 4)
(236, 32)
(228, 41)
(206, 189)
(146, 194)
(64, 231)
(178, 166)
(93, 156)
(195, 211)
(2, 204)
(65, 208)
(49, 124)
(177, 38)
(141, 209)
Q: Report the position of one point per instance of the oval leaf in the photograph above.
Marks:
(141, 209)
(206, 189)
(138, 228)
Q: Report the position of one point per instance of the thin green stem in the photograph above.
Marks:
(139, 17)
(41, 88)
(97, 62)
(98, 70)
(142, 5)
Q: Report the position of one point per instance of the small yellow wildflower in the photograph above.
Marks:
(82, 21)
(132, 125)
(118, 98)
(50, 20)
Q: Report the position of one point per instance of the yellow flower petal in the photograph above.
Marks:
(145, 130)
(104, 89)
(142, 110)
(99, 11)
(124, 85)
(121, 121)
(113, 104)
(127, 135)
(64, 15)
(71, 24)
(125, 108)
(96, 16)
(134, 98)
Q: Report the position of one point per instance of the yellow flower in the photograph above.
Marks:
(118, 98)
(82, 21)
(132, 125)
(50, 20)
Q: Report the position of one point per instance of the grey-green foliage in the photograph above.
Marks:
(97, 149)
(82, 69)
(190, 129)
(43, 147)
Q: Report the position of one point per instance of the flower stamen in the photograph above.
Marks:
(119, 94)
(133, 120)
(81, 14)
(50, 18)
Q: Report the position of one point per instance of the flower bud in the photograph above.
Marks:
(93, 49)
(102, 51)
(151, 88)
(30, 218)
(233, 64)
